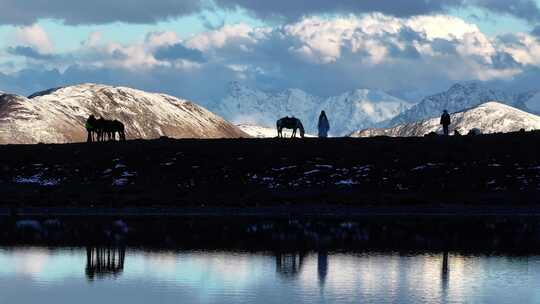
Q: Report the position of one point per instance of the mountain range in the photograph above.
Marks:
(58, 115)
(347, 112)
(463, 96)
(490, 117)
(361, 108)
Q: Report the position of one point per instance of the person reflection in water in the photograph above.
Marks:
(324, 125)
(445, 271)
(322, 266)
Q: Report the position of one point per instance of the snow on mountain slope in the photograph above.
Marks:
(346, 113)
(265, 132)
(360, 109)
(58, 115)
(491, 117)
(531, 102)
(459, 97)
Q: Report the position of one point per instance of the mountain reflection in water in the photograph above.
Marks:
(97, 274)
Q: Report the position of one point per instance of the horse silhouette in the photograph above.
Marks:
(292, 123)
(105, 129)
(91, 128)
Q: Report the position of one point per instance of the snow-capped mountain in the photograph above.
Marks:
(459, 97)
(59, 115)
(490, 117)
(529, 101)
(346, 113)
(265, 132)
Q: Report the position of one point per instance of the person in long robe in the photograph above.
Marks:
(324, 125)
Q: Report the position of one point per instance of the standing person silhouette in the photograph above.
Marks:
(323, 125)
(445, 122)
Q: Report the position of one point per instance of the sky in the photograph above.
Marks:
(194, 49)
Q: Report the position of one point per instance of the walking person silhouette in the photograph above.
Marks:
(445, 122)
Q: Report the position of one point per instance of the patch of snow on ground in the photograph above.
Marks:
(120, 182)
(283, 168)
(346, 182)
(129, 174)
(426, 166)
(266, 132)
(324, 166)
(37, 179)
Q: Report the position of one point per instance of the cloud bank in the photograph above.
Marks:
(324, 56)
(26, 12)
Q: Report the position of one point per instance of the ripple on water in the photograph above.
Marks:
(236, 277)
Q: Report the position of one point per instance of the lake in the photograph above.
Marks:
(100, 275)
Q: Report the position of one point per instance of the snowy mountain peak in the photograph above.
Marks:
(490, 117)
(460, 96)
(346, 112)
(466, 86)
(58, 115)
(237, 89)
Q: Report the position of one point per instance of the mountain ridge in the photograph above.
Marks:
(58, 115)
(459, 97)
(346, 112)
(490, 117)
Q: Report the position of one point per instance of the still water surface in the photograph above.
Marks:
(89, 275)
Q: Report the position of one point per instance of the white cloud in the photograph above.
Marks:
(324, 56)
(239, 33)
(159, 39)
(94, 39)
(34, 36)
(524, 48)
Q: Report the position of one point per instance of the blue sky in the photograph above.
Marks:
(322, 47)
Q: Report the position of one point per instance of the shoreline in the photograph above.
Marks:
(309, 212)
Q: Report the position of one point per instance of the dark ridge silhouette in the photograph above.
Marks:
(292, 123)
(43, 93)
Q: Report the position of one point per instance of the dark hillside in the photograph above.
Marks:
(500, 169)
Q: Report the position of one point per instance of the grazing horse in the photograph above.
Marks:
(289, 123)
(107, 129)
(91, 128)
(100, 128)
(117, 127)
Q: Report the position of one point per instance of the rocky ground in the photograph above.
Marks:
(500, 169)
